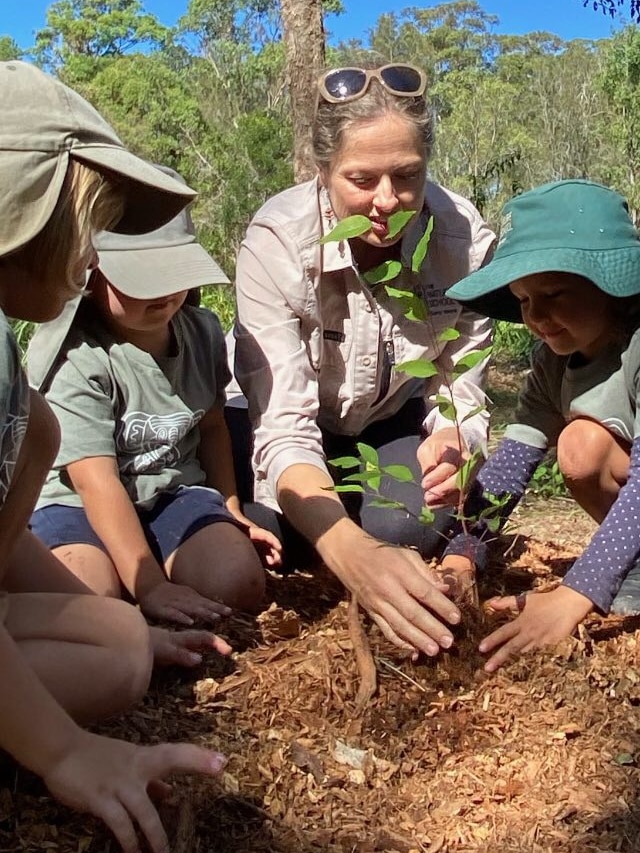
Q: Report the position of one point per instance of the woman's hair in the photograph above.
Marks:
(88, 202)
(333, 121)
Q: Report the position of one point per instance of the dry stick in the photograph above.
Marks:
(364, 659)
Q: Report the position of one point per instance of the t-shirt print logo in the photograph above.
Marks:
(151, 441)
(11, 437)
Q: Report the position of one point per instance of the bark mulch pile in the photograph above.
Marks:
(543, 756)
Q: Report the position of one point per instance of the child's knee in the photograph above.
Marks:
(583, 448)
(129, 642)
(250, 586)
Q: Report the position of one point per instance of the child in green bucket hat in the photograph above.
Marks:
(568, 266)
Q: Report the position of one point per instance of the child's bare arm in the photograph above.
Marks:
(216, 459)
(108, 778)
(114, 518)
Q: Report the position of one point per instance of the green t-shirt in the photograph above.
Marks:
(560, 388)
(114, 399)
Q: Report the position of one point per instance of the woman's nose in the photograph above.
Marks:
(385, 197)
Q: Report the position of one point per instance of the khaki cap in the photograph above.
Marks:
(44, 124)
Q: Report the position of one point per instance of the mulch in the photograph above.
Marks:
(542, 756)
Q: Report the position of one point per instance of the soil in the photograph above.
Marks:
(542, 756)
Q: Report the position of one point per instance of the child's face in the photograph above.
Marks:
(136, 315)
(568, 312)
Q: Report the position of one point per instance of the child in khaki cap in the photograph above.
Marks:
(142, 497)
(64, 174)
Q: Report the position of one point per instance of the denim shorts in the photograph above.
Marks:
(172, 520)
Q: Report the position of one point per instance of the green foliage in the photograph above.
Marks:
(512, 344)
(9, 49)
(547, 481)
(219, 299)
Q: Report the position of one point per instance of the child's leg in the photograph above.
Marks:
(594, 463)
(66, 532)
(220, 562)
(93, 654)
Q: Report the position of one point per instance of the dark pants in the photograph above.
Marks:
(396, 440)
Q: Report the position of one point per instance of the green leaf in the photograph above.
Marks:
(368, 453)
(419, 367)
(624, 758)
(351, 226)
(412, 305)
(397, 222)
(420, 252)
(446, 407)
(351, 488)
(344, 462)
(402, 473)
(362, 476)
(385, 503)
(464, 474)
(471, 359)
(472, 413)
(426, 515)
(448, 335)
(386, 271)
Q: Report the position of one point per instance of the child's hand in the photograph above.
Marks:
(185, 648)
(177, 603)
(459, 574)
(441, 457)
(267, 545)
(545, 618)
(113, 779)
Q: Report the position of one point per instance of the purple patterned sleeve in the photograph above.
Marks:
(505, 473)
(603, 565)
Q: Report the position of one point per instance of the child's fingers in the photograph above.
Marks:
(143, 811)
(500, 604)
(119, 822)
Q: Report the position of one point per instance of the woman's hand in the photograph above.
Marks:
(184, 648)
(113, 780)
(404, 598)
(267, 545)
(177, 603)
(440, 456)
(545, 618)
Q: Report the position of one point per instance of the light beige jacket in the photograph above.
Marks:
(316, 345)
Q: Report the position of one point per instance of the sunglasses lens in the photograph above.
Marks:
(345, 83)
(401, 78)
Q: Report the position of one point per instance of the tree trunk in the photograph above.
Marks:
(304, 40)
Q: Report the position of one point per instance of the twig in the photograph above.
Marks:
(399, 672)
(364, 659)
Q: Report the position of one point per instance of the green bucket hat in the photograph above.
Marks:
(44, 125)
(572, 226)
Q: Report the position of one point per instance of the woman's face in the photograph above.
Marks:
(380, 169)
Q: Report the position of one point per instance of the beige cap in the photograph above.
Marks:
(158, 263)
(45, 123)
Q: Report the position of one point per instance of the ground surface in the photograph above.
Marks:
(544, 756)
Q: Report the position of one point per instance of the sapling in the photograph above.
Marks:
(414, 308)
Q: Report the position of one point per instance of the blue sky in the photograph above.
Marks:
(566, 18)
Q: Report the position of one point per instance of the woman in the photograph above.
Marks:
(316, 346)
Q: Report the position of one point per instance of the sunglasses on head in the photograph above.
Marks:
(347, 84)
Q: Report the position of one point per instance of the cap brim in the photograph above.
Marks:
(152, 198)
(154, 273)
(616, 272)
